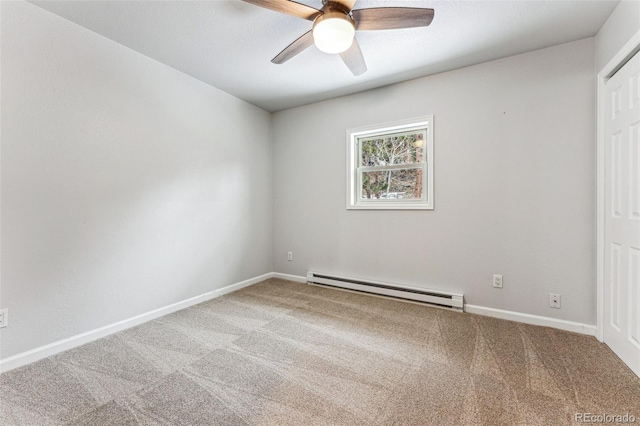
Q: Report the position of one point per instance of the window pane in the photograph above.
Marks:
(392, 184)
(396, 148)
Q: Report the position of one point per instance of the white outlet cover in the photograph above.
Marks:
(497, 281)
(4, 317)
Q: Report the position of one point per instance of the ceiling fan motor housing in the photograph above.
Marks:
(333, 31)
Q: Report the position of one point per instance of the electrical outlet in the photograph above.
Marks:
(554, 300)
(290, 256)
(4, 317)
(497, 281)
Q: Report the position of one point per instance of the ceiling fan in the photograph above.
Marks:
(334, 26)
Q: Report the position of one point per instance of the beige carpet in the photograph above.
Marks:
(283, 353)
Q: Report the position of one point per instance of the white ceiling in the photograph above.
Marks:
(229, 44)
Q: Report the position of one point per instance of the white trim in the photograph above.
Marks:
(613, 65)
(575, 327)
(242, 284)
(623, 55)
(396, 205)
(296, 278)
(54, 348)
(600, 176)
(402, 166)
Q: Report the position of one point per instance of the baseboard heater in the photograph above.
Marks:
(453, 301)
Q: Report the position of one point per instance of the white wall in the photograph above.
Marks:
(621, 25)
(126, 185)
(514, 185)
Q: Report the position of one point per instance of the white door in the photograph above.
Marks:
(622, 214)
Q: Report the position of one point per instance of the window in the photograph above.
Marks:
(391, 166)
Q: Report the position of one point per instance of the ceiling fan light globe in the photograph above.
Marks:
(333, 33)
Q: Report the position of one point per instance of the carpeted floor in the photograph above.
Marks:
(283, 353)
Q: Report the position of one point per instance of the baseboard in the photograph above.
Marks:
(575, 327)
(296, 278)
(246, 283)
(54, 348)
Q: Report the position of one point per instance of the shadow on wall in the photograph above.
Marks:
(131, 248)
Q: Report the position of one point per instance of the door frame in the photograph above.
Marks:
(628, 50)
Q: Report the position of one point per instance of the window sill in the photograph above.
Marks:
(386, 206)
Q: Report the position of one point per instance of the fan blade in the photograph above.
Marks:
(391, 18)
(346, 5)
(303, 42)
(288, 7)
(353, 59)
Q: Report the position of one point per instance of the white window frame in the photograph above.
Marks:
(354, 170)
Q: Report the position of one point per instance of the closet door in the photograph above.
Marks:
(622, 214)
